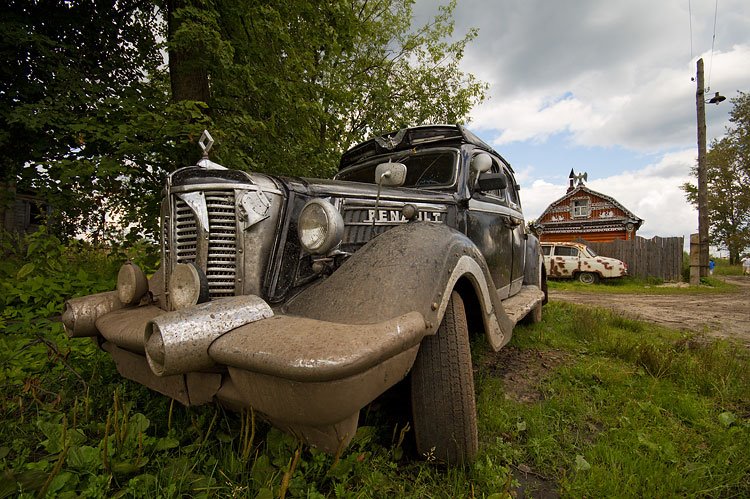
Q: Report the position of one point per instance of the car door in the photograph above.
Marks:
(566, 261)
(515, 222)
(489, 223)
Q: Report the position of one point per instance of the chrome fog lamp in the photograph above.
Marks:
(188, 286)
(131, 284)
(320, 227)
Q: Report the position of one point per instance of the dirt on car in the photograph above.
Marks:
(718, 315)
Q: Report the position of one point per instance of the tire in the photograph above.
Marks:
(444, 410)
(588, 278)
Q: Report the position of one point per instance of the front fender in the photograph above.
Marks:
(534, 272)
(413, 267)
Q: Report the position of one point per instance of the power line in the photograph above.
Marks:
(690, 14)
(713, 42)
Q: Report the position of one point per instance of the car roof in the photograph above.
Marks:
(566, 243)
(410, 138)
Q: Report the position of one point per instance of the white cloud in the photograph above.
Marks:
(609, 73)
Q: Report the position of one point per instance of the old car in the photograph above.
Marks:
(307, 299)
(579, 261)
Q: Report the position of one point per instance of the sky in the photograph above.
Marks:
(604, 88)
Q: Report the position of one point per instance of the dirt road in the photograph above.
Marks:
(723, 315)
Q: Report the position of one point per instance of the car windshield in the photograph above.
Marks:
(434, 168)
(591, 252)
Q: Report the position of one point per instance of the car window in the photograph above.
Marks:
(591, 251)
(426, 169)
(566, 251)
(510, 191)
(546, 250)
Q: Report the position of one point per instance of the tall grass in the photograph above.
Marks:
(631, 410)
(640, 411)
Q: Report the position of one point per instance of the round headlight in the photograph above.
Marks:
(320, 227)
(188, 286)
(131, 284)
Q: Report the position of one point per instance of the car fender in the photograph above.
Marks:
(534, 271)
(413, 267)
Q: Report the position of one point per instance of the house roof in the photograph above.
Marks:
(582, 188)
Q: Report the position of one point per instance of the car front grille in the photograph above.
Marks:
(357, 229)
(220, 265)
(358, 219)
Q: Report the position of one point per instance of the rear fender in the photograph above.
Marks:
(413, 267)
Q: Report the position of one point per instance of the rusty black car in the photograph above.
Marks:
(306, 299)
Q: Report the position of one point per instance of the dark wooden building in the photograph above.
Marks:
(586, 214)
(20, 211)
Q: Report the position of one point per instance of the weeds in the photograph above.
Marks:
(631, 410)
(650, 411)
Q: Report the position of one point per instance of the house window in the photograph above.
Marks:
(581, 208)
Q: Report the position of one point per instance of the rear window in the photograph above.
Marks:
(435, 168)
(546, 250)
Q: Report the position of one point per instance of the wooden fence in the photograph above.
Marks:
(658, 257)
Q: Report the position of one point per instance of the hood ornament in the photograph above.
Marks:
(206, 142)
(390, 143)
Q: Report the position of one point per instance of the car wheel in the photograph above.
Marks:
(588, 277)
(442, 391)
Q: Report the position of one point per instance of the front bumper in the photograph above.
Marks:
(307, 376)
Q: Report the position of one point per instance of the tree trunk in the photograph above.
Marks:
(188, 76)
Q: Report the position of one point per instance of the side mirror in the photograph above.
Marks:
(481, 163)
(390, 174)
(491, 182)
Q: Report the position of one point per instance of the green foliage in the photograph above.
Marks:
(728, 174)
(72, 427)
(294, 84)
(635, 410)
(92, 120)
(85, 119)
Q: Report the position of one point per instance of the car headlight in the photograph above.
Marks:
(320, 227)
(131, 284)
(188, 286)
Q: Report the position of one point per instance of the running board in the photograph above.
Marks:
(519, 305)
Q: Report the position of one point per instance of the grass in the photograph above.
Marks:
(632, 285)
(637, 411)
(628, 409)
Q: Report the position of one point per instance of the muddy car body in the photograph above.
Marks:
(578, 261)
(307, 299)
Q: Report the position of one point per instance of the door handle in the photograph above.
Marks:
(512, 222)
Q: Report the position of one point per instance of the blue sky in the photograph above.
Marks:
(603, 88)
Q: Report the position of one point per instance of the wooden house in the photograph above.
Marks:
(21, 211)
(586, 214)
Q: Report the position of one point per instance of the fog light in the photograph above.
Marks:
(131, 284)
(188, 286)
(320, 227)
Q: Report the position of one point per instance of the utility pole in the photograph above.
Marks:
(699, 268)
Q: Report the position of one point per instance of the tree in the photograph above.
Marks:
(294, 84)
(728, 174)
(85, 117)
(92, 118)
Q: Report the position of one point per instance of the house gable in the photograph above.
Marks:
(587, 214)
